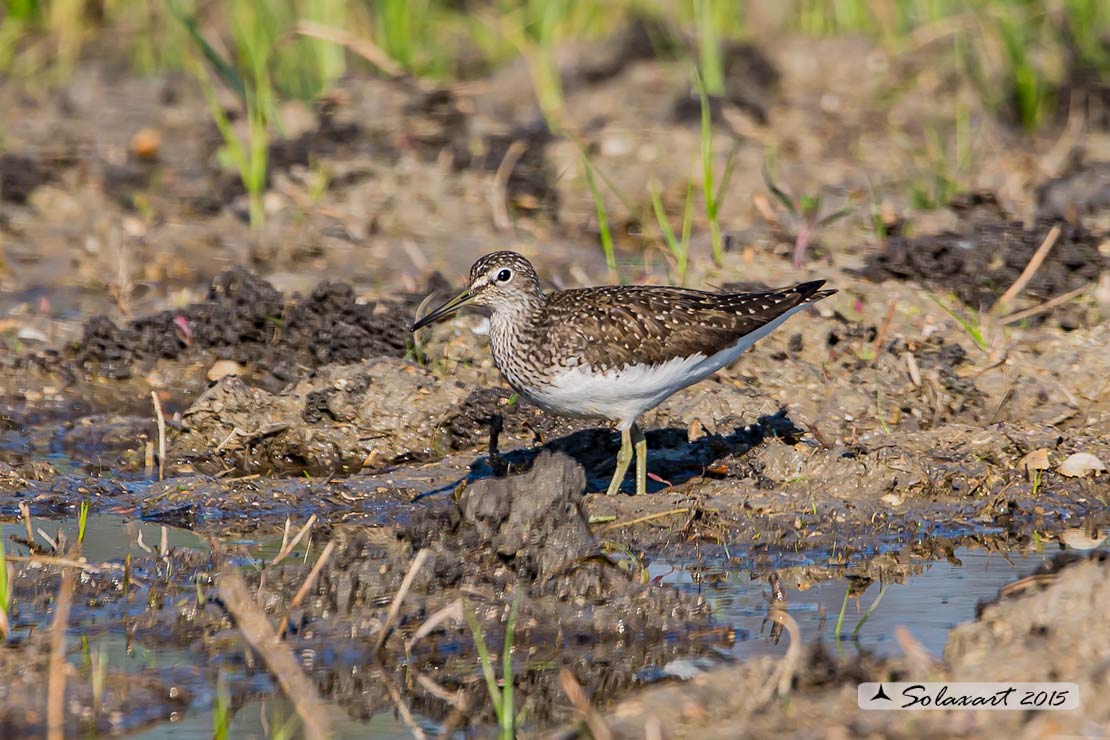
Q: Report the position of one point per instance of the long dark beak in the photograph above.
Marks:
(446, 309)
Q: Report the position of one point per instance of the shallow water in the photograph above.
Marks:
(932, 598)
(929, 604)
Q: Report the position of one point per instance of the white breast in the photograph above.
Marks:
(622, 395)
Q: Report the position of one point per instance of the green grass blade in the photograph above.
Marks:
(602, 217)
(485, 662)
(82, 521)
(840, 619)
(870, 611)
(508, 717)
(664, 222)
(973, 330)
(223, 67)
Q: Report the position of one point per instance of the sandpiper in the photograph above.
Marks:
(614, 352)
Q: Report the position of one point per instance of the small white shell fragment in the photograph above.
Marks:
(1081, 464)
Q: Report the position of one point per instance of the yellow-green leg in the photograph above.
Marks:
(640, 443)
(624, 457)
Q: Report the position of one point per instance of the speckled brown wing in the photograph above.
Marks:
(613, 327)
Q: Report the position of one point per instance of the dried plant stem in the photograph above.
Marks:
(161, 435)
(308, 582)
(56, 682)
(1030, 270)
(278, 656)
(287, 546)
(395, 607)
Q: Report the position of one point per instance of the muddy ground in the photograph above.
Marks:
(909, 415)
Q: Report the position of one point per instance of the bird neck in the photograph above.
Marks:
(512, 324)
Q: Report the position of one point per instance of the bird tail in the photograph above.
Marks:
(811, 292)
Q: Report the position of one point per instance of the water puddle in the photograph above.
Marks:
(932, 598)
(863, 602)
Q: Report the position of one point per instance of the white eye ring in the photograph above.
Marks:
(504, 275)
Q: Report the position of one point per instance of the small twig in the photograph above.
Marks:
(595, 723)
(1030, 269)
(642, 519)
(285, 534)
(914, 650)
(235, 432)
(1024, 584)
(161, 435)
(63, 562)
(306, 586)
(56, 682)
(913, 369)
(395, 607)
(49, 540)
(1048, 305)
(288, 547)
(455, 699)
(278, 656)
(26, 512)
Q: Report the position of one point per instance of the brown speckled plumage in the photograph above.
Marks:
(613, 352)
(611, 327)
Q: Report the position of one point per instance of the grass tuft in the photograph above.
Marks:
(502, 698)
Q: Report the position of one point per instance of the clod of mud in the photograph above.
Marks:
(336, 420)
(536, 518)
(979, 267)
(245, 319)
(530, 532)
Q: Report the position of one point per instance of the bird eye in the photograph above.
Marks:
(504, 276)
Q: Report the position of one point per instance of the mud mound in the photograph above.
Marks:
(979, 267)
(337, 420)
(535, 519)
(245, 319)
